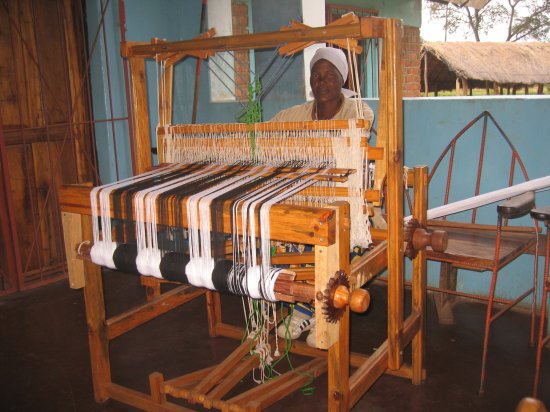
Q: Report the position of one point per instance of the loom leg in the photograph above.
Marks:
(156, 384)
(95, 319)
(443, 301)
(214, 312)
(338, 353)
(338, 374)
(152, 287)
(419, 278)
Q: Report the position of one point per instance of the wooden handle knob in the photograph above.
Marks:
(437, 239)
(440, 240)
(341, 297)
(360, 300)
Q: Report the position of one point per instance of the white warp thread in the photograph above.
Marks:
(540, 184)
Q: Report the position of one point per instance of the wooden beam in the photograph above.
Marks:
(366, 375)
(419, 276)
(299, 224)
(140, 105)
(391, 130)
(125, 322)
(95, 319)
(72, 234)
(367, 27)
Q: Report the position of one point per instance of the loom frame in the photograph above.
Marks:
(344, 390)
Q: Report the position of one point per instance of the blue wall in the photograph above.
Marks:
(429, 125)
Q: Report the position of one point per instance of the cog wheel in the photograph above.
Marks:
(333, 314)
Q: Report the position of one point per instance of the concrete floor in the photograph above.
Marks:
(44, 364)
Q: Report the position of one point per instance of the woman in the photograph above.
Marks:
(329, 71)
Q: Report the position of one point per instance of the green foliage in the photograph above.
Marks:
(524, 19)
(252, 112)
(532, 90)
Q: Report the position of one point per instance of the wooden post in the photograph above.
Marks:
(465, 87)
(391, 130)
(141, 115)
(95, 319)
(72, 234)
(419, 273)
(444, 301)
(426, 88)
(166, 85)
(214, 312)
(328, 260)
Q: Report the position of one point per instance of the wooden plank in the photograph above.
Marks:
(299, 224)
(369, 265)
(95, 319)
(419, 275)
(221, 370)
(216, 128)
(190, 378)
(391, 131)
(338, 353)
(411, 325)
(72, 234)
(166, 85)
(301, 348)
(11, 85)
(27, 56)
(231, 380)
(367, 27)
(81, 141)
(266, 394)
(140, 400)
(213, 311)
(327, 263)
(453, 225)
(142, 137)
(156, 384)
(334, 336)
(24, 204)
(367, 374)
(356, 359)
(47, 219)
(120, 324)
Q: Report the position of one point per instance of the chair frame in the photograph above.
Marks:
(517, 241)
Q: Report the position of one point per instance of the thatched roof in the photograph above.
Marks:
(503, 63)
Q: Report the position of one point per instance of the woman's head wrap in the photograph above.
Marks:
(334, 56)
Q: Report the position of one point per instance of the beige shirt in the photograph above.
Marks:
(304, 112)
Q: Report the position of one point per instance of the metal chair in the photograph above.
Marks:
(542, 215)
(486, 248)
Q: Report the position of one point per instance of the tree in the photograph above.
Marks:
(524, 19)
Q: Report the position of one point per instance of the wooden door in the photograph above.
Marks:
(46, 135)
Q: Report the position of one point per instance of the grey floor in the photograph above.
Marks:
(44, 363)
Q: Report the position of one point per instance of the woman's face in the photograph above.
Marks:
(326, 81)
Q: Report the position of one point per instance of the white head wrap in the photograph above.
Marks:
(338, 59)
(334, 56)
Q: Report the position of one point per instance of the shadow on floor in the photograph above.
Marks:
(44, 363)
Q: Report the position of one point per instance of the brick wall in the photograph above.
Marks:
(239, 11)
(410, 61)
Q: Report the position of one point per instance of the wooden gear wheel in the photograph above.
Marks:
(331, 311)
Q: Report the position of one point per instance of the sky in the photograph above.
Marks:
(432, 30)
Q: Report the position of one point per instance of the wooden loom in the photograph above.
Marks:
(326, 228)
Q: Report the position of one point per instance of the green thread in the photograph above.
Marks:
(252, 113)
